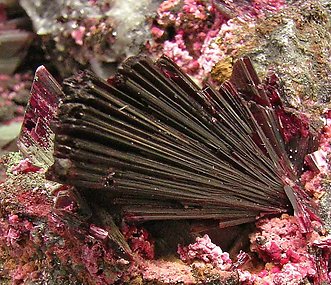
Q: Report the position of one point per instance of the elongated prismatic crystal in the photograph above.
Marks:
(152, 145)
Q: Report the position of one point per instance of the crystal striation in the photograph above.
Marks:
(155, 146)
(36, 138)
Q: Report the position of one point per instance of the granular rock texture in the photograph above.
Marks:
(293, 43)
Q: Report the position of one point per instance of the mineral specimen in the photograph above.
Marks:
(46, 243)
(42, 244)
(154, 163)
(161, 139)
(158, 147)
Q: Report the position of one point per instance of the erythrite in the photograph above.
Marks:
(151, 145)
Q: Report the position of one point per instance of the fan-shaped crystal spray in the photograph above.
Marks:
(152, 145)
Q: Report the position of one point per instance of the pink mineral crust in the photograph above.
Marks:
(187, 31)
(204, 250)
(290, 257)
(44, 239)
(36, 244)
(187, 27)
(78, 35)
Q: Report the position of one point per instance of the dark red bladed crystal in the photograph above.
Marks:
(153, 145)
(36, 138)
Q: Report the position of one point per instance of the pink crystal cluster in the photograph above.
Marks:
(46, 241)
(286, 255)
(204, 250)
(189, 31)
(139, 240)
(186, 29)
(34, 232)
(290, 256)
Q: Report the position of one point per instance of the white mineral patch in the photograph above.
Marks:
(131, 24)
